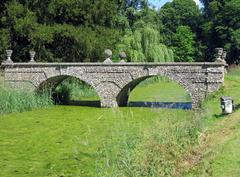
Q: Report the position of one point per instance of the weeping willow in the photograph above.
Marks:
(144, 45)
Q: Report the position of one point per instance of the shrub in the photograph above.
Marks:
(74, 89)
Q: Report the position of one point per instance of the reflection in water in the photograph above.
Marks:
(168, 105)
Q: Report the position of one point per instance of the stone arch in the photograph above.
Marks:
(52, 82)
(123, 95)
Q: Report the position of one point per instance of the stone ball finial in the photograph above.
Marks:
(123, 56)
(32, 56)
(108, 55)
(9, 55)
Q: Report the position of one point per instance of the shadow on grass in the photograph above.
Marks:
(167, 105)
(87, 103)
(236, 107)
(219, 116)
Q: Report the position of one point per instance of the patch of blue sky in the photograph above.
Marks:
(160, 3)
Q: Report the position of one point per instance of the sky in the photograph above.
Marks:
(160, 3)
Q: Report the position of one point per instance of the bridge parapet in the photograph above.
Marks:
(113, 81)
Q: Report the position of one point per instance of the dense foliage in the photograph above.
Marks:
(79, 31)
(221, 27)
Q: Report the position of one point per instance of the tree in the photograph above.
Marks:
(144, 45)
(173, 16)
(221, 27)
(177, 13)
(183, 42)
(58, 30)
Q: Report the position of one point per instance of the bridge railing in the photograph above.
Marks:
(220, 57)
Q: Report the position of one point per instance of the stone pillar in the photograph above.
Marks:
(107, 92)
(196, 103)
(218, 54)
(197, 99)
(108, 103)
(198, 92)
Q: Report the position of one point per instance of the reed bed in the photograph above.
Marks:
(18, 101)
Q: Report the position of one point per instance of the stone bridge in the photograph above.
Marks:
(114, 81)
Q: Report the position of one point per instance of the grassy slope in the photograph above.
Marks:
(224, 158)
(227, 160)
(65, 140)
(220, 148)
(219, 152)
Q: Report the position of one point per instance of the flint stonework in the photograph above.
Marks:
(114, 81)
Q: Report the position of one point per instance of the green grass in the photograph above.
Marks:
(161, 91)
(85, 141)
(75, 141)
(67, 140)
(227, 162)
(219, 151)
(19, 101)
(12, 101)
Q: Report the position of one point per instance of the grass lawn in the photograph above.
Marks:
(67, 140)
(219, 153)
(165, 91)
(227, 160)
(220, 149)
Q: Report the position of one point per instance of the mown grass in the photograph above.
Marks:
(218, 152)
(80, 141)
(160, 90)
(71, 141)
(85, 141)
(227, 160)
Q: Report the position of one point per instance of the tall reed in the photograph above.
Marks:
(153, 151)
(18, 101)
